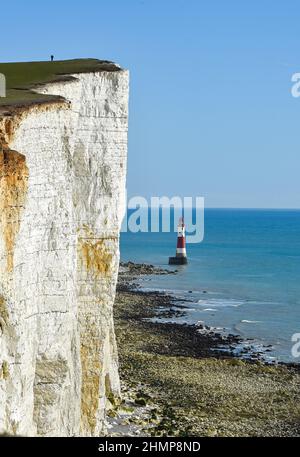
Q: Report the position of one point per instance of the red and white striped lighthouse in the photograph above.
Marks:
(181, 257)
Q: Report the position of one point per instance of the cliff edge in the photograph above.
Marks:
(62, 196)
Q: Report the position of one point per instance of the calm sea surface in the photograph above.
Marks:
(244, 276)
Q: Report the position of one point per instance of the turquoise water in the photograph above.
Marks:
(244, 276)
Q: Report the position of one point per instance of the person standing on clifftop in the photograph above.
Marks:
(52, 58)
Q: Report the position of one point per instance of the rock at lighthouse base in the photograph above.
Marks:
(178, 260)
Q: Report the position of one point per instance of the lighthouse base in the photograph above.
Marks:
(177, 260)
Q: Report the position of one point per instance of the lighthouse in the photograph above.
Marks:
(181, 258)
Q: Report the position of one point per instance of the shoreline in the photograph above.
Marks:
(222, 342)
(187, 386)
(198, 339)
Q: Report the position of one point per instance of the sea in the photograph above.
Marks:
(243, 278)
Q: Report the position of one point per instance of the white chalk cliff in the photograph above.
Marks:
(62, 197)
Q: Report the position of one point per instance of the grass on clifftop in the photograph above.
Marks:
(22, 77)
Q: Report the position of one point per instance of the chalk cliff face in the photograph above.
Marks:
(62, 196)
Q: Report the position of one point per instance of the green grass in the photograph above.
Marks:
(22, 77)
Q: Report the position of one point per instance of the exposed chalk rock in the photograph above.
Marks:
(62, 198)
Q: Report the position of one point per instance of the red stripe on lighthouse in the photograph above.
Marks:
(181, 242)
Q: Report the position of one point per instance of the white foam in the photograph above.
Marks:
(218, 302)
(246, 321)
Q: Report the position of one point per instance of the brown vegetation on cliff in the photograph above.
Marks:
(13, 190)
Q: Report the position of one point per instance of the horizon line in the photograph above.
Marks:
(223, 207)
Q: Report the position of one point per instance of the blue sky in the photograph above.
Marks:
(211, 112)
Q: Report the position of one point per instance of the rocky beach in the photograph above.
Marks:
(189, 380)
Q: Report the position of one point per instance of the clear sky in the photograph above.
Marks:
(211, 111)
